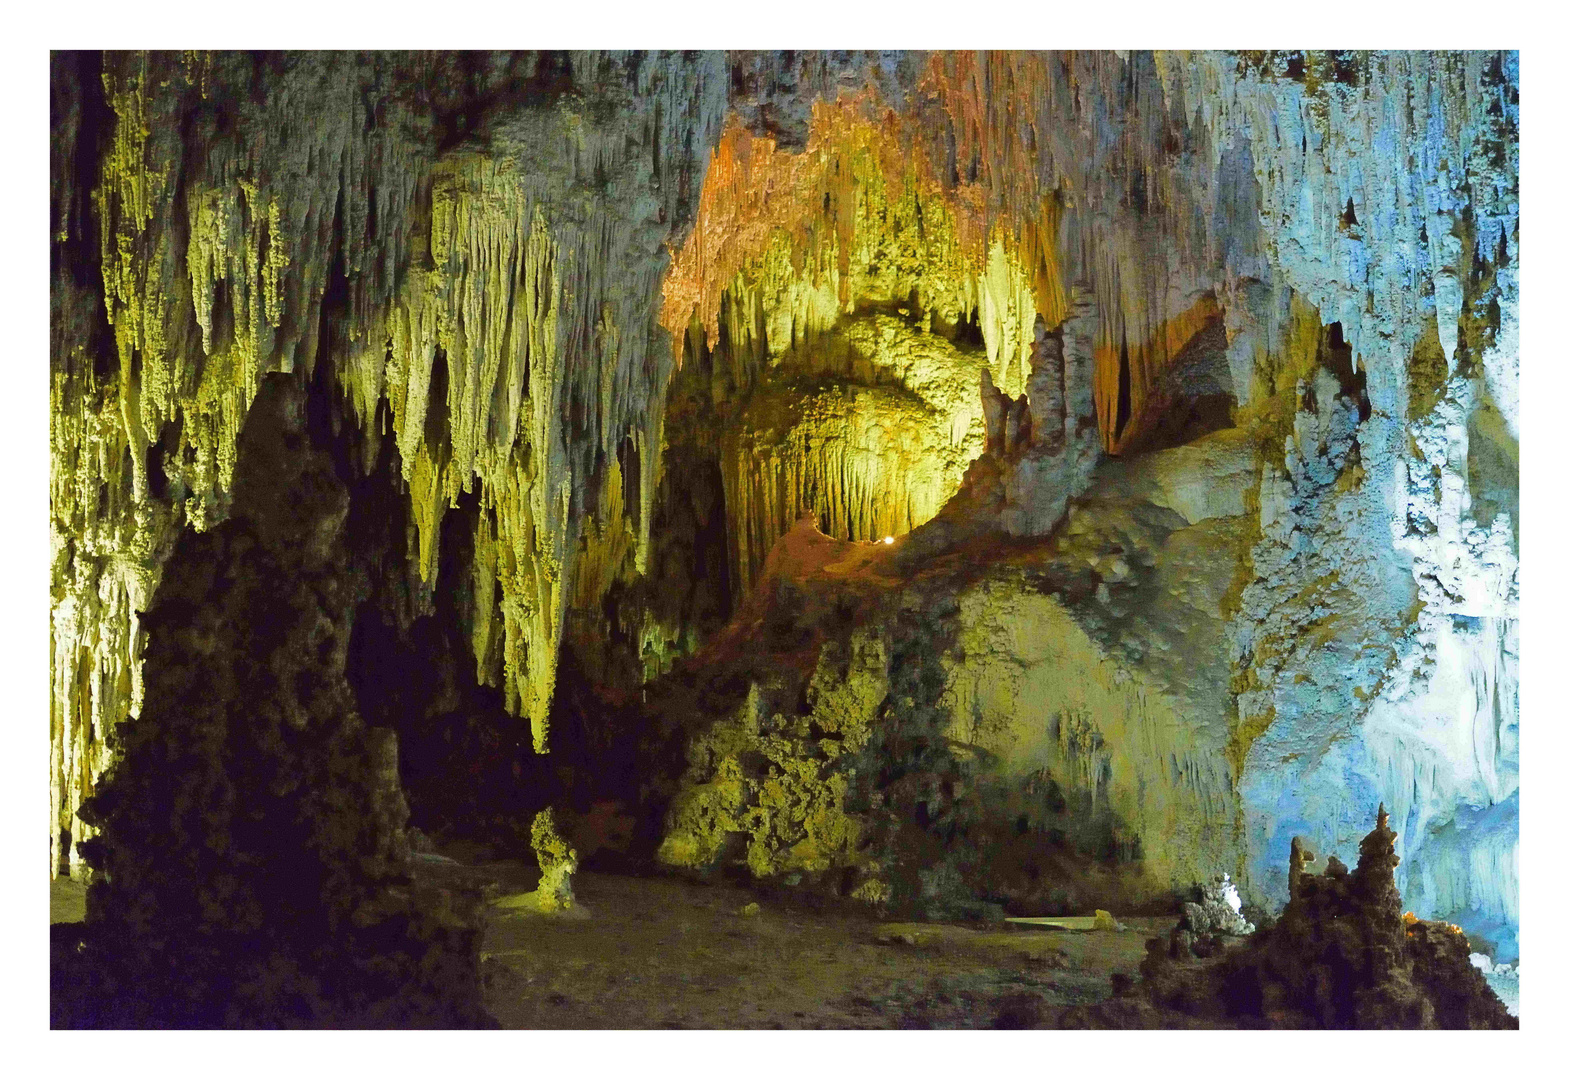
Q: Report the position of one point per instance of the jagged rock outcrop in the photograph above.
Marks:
(1341, 955)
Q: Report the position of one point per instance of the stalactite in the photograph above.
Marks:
(806, 237)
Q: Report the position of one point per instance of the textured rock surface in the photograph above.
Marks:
(1341, 956)
(1218, 910)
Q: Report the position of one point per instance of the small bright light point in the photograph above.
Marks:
(887, 539)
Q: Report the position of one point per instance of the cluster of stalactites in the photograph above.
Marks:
(789, 251)
(1375, 185)
(523, 296)
(976, 212)
(870, 462)
(105, 552)
(788, 243)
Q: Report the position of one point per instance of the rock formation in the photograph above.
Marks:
(250, 862)
(1341, 955)
(1218, 910)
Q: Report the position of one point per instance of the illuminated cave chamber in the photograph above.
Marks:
(1184, 386)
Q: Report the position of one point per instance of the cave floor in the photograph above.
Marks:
(67, 900)
(660, 952)
(663, 952)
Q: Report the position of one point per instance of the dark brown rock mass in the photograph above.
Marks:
(1341, 955)
(251, 864)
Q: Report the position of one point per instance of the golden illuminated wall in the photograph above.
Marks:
(836, 277)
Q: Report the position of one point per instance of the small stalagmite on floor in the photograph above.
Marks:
(557, 862)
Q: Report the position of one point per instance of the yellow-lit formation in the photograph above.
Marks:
(493, 297)
(792, 813)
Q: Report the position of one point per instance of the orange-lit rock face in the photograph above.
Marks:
(795, 258)
(864, 179)
(753, 190)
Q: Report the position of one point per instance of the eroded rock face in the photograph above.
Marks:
(250, 867)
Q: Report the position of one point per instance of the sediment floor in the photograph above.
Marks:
(659, 952)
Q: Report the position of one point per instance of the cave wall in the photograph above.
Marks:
(503, 258)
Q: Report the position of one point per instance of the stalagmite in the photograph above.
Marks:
(1048, 421)
(994, 407)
